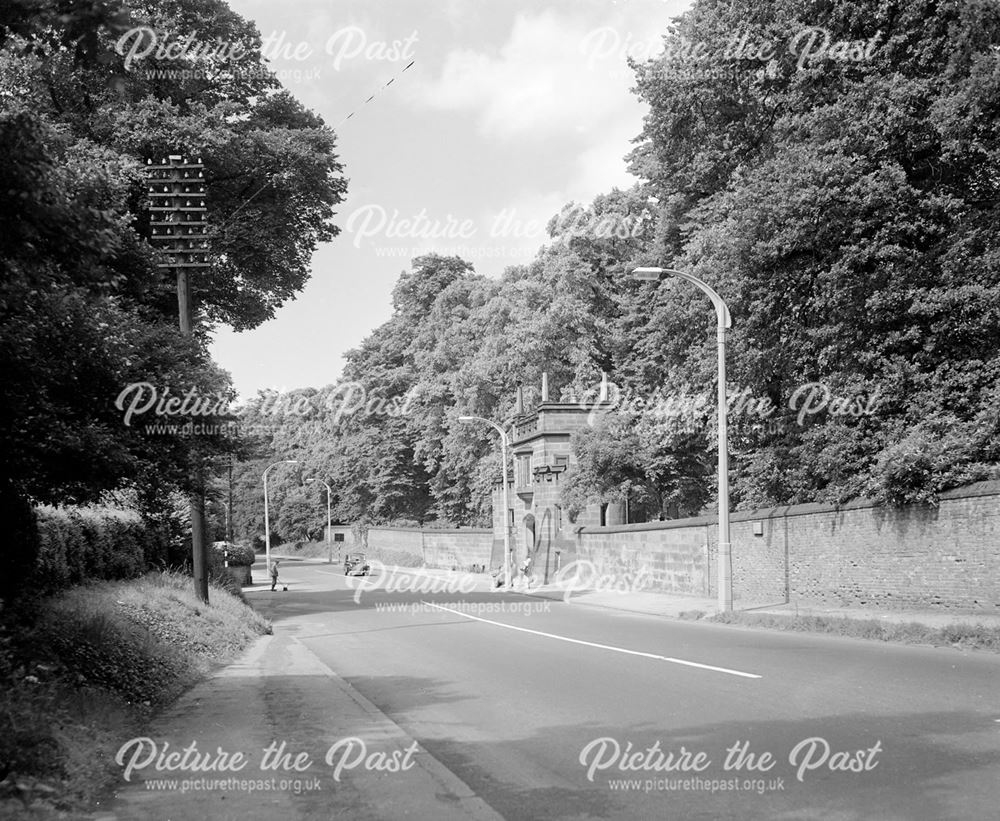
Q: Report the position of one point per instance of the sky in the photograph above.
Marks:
(509, 111)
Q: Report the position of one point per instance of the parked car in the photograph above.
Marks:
(356, 564)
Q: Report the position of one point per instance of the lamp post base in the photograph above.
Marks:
(725, 577)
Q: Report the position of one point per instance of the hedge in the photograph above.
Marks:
(240, 555)
(82, 543)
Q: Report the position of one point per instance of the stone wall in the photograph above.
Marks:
(459, 548)
(396, 538)
(943, 557)
(342, 537)
(667, 556)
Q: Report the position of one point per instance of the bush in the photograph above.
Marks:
(145, 639)
(80, 544)
(81, 670)
(240, 555)
(22, 548)
(228, 580)
(305, 550)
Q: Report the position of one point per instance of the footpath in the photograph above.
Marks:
(280, 697)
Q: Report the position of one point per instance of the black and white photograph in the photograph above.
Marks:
(500, 409)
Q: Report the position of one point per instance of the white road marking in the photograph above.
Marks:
(599, 646)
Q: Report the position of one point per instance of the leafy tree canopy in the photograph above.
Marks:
(846, 209)
(85, 311)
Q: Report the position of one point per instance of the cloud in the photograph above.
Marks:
(553, 75)
(601, 164)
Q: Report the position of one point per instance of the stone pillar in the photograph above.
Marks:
(615, 514)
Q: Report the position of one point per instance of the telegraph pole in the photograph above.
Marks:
(229, 508)
(177, 219)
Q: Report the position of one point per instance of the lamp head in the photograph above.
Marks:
(648, 274)
(465, 419)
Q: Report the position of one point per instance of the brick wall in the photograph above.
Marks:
(944, 557)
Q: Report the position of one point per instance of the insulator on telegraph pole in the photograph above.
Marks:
(168, 206)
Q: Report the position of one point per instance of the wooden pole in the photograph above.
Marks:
(165, 198)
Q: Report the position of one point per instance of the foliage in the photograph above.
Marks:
(846, 209)
(237, 554)
(77, 544)
(960, 635)
(83, 669)
(21, 524)
(610, 466)
(84, 309)
(647, 463)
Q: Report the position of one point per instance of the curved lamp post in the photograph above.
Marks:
(724, 323)
(267, 523)
(329, 544)
(506, 506)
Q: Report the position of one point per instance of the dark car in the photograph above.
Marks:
(355, 564)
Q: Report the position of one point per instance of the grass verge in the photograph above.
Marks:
(320, 550)
(308, 550)
(83, 670)
(962, 635)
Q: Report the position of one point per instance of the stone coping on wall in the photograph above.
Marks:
(987, 488)
(431, 529)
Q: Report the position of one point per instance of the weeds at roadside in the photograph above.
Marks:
(691, 615)
(966, 636)
(84, 669)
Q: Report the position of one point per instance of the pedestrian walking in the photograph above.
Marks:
(274, 575)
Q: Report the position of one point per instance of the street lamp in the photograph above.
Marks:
(506, 505)
(724, 323)
(267, 524)
(329, 544)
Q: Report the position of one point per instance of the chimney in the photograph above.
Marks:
(519, 400)
(545, 387)
(604, 388)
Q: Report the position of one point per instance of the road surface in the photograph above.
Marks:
(558, 711)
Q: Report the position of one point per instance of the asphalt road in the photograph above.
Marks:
(559, 711)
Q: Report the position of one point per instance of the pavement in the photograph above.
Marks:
(278, 696)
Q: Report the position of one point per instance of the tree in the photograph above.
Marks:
(846, 209)
(639, 459)
(273, 177)
(830, 204)
(85, 313)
